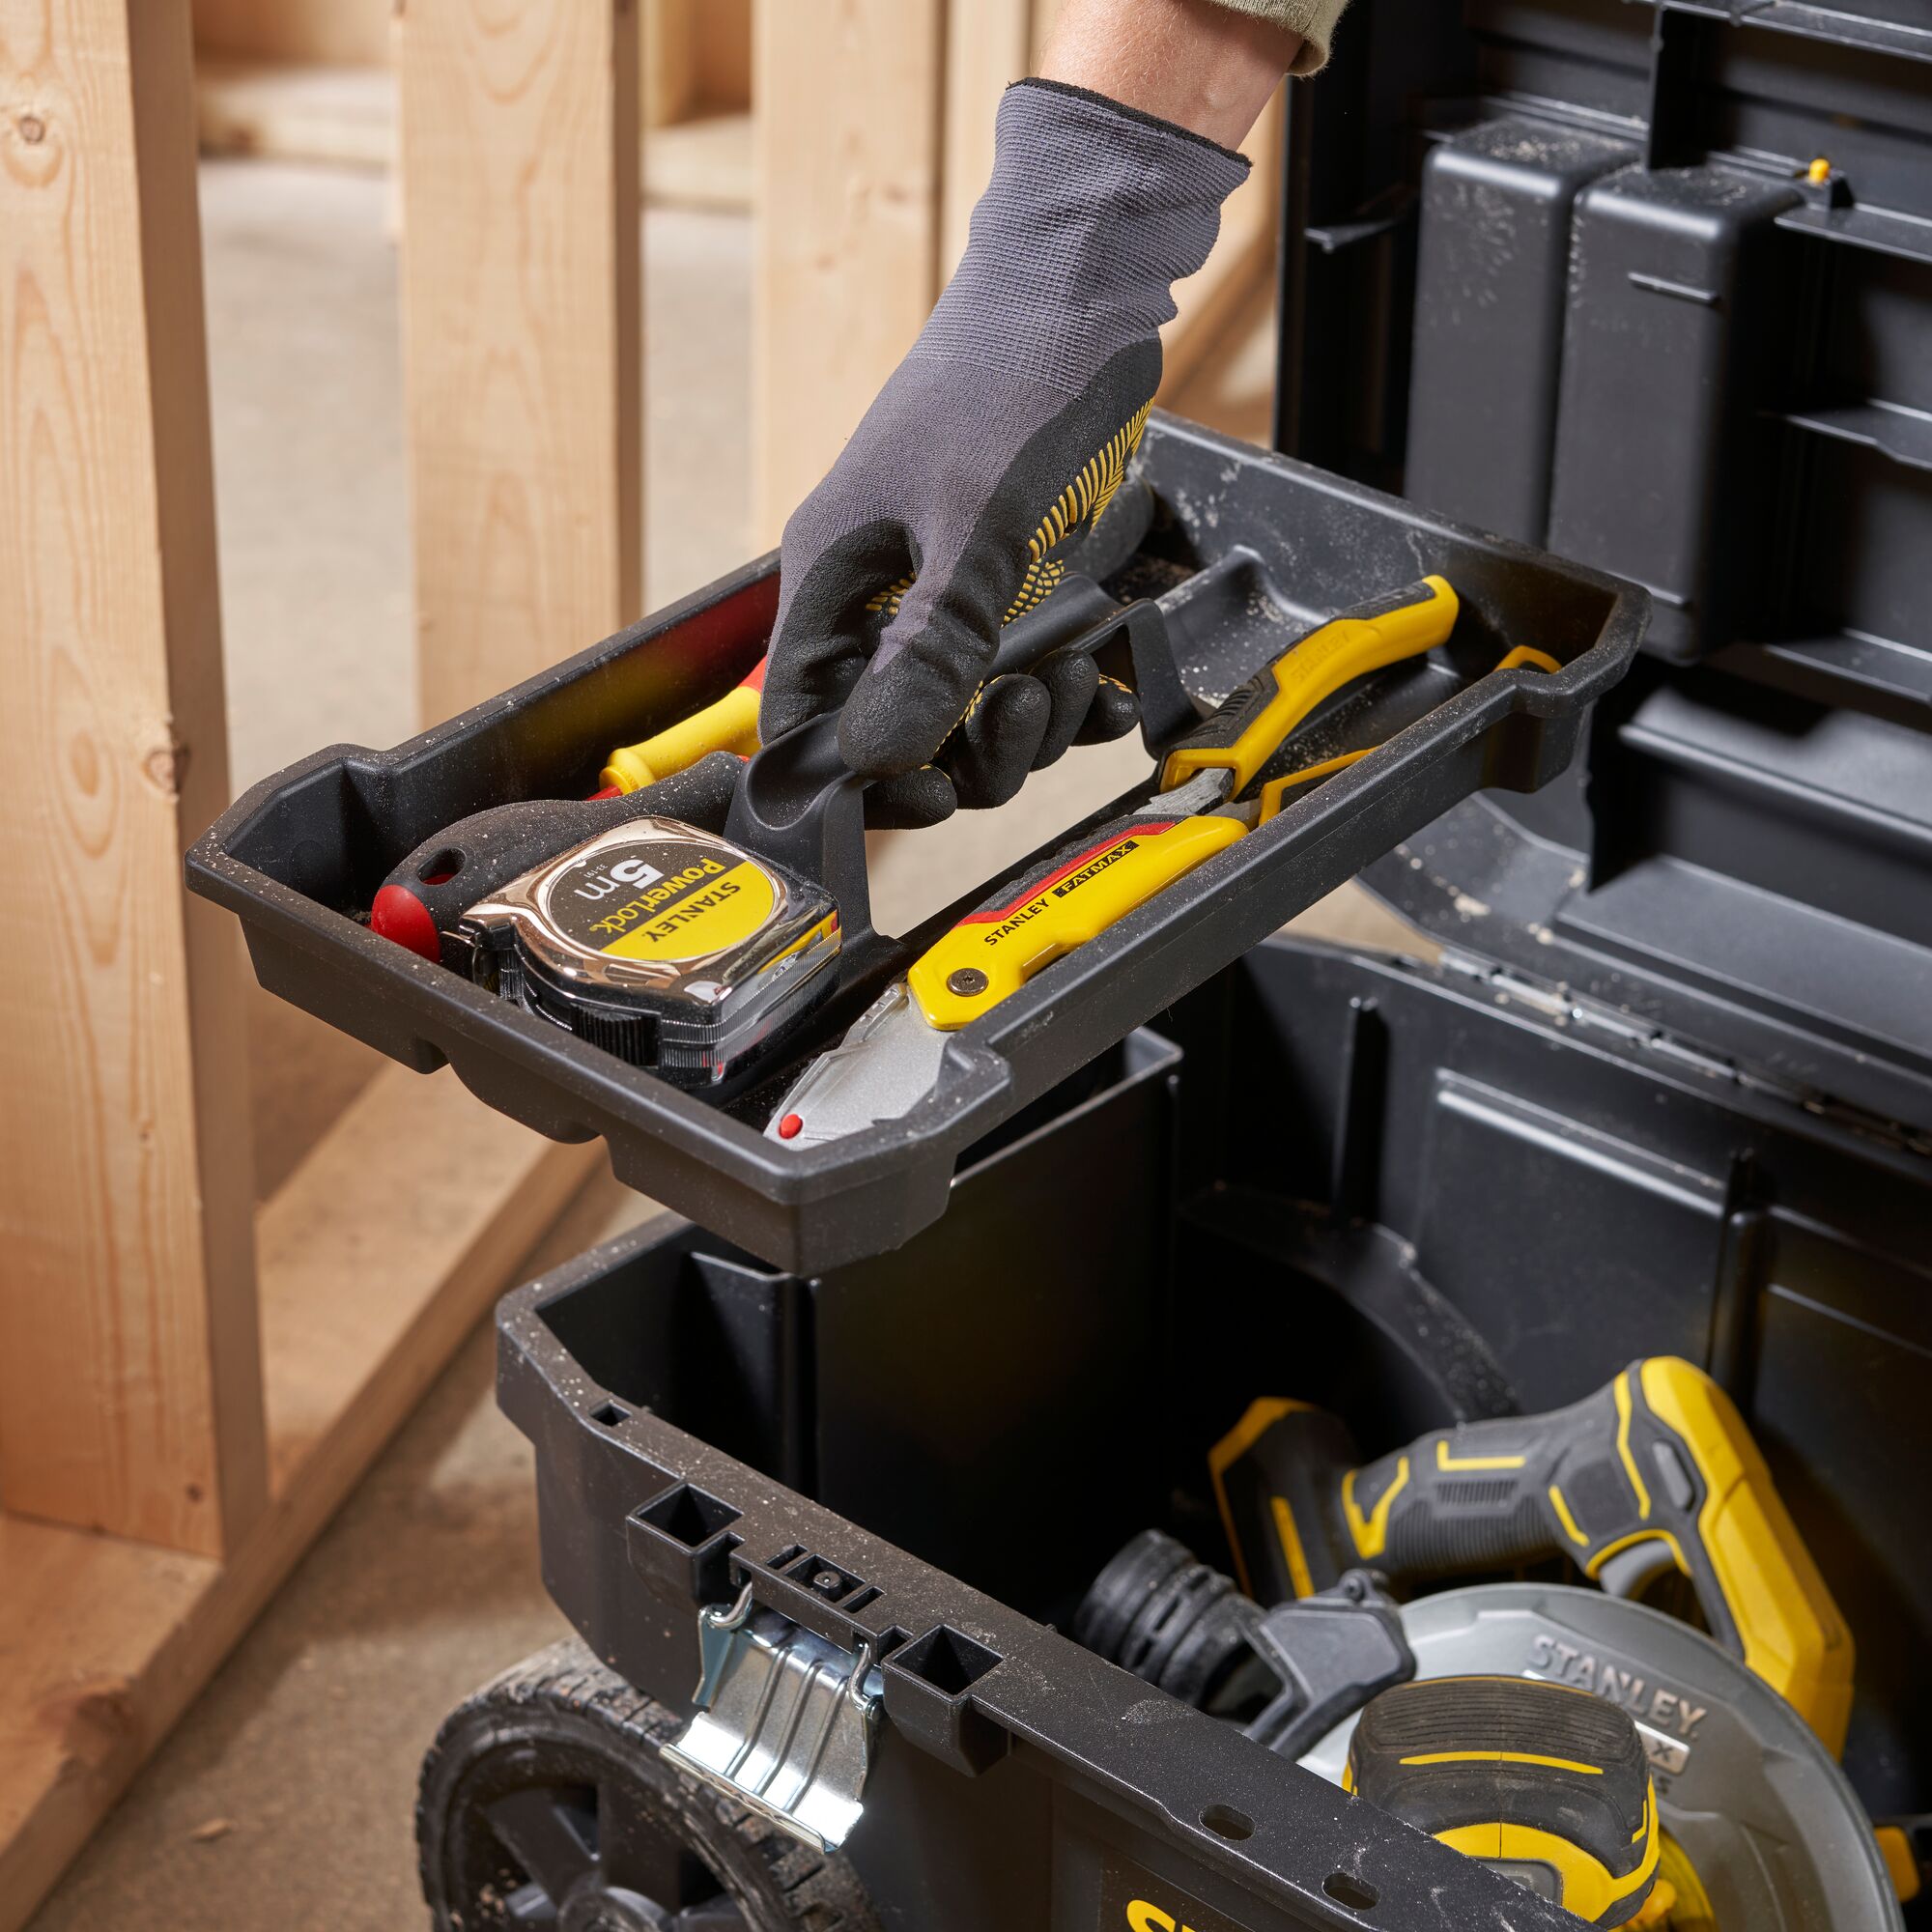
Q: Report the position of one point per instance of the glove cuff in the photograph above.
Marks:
(1093, 212)
(1120, 109)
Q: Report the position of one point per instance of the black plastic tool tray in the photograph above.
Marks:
(300, 855)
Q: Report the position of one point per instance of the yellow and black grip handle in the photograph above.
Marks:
(1090, 885)
(1250, 724)
(1063, 902)
(1545, 1782)
(1655, 1471)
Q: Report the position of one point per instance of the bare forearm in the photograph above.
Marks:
(1195, 63)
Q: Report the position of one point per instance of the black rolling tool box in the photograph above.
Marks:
(1650, 286)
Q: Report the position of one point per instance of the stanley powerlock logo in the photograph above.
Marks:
(663, 903)
(620, 921)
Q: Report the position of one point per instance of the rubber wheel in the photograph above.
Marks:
(545, 1802)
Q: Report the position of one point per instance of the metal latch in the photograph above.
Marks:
(784, 1721)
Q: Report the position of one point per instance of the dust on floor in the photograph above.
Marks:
(282, 1802)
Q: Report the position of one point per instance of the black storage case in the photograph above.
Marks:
(1557, 268)
(1414, 1194)
(1607, 310)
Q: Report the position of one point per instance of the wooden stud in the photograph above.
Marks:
(698, 60)
(130, 1381)
(725, 56)
(347, 33)
(92, 1634)
(522, 346)
(988, 46)
(846, 162)
(670, 53)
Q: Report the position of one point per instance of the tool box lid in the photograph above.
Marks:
(1652, 286)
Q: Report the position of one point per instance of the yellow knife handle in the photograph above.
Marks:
(731, 725)
(1073, 898)
(1250, 726)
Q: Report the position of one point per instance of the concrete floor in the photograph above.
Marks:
(282, 1803)
(283, 1800)
(313, 507)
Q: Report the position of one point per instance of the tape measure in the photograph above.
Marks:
(668, 947)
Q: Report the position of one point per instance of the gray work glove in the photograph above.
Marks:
(990, 451)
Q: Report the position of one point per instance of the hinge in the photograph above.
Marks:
(1553, 1001)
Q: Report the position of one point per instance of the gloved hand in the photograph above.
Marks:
(988, 454)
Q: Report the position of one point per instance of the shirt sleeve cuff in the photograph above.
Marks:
(1313, 20)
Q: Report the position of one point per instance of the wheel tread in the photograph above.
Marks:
(806, 1889)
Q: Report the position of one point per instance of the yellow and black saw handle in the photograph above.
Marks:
(1655, 1471)
(1252, 722)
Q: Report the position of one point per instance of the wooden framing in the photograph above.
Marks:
(315, 82)
(848, 231)
(190, 1385)
(339, 33)
(696, 59)
(669, 70)
(129, 1398)
(376, 1258)
(520, 291)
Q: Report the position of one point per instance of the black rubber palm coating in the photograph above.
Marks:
(996, 445)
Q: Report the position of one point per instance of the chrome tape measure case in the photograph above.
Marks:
(668, 947)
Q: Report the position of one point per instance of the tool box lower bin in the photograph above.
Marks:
(1393, 1188)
